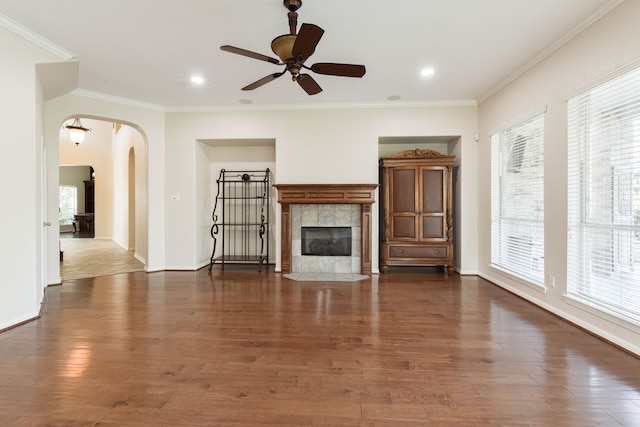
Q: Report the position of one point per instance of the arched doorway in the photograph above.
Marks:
(117, 152)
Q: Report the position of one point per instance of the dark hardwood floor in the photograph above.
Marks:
(242, 348)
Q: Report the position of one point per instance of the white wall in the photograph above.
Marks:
(608, 45)
(127, 139)
(21, 262)
(317, 146)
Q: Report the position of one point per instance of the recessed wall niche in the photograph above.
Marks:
(213, 155)
(446, 144)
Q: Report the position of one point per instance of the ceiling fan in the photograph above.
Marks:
(294, 49)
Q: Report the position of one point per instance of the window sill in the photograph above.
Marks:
(518, 279)
(601, 312)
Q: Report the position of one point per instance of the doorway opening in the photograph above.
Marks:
(106, 232)
(76, 201)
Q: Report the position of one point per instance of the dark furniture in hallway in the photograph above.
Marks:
(85, 222)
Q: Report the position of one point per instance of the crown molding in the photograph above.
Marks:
(115, 99)
(336, 106)
(34, 38)
(583, 25)
(284, 107)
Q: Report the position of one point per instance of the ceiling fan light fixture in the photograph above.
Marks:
(293, 50)
(283, 46)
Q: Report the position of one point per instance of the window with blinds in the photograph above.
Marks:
(517, 200)
(68, 201)
(603, 264)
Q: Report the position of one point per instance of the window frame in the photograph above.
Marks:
(603, 151)
(517, 150)
(61, 216)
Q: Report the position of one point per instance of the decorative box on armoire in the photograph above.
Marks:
(416, 210)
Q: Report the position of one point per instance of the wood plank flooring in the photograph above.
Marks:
(243, 348)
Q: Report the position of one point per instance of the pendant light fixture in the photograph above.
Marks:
(77, 131)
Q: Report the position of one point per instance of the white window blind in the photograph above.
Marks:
(603, 265)
(517, 200)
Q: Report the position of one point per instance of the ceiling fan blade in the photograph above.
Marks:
(307, 40)
(344, 70)
(309, 85)
(263, 81)
(249, 54)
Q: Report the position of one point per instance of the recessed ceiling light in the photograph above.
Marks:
(245, 101)
(427, 72)
(197, 80)
(393, 97)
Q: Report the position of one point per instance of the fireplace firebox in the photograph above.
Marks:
(326, 241)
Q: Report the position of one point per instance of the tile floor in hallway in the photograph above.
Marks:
(87, 257)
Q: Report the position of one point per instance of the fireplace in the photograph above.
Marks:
(294, 197)
(326, 241)
(327, 228)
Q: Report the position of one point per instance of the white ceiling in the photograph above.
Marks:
(146, 50)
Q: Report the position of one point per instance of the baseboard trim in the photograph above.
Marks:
(11, 325)
(592, 330)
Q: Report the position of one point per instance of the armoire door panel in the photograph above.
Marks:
(403, 190)
(433, 190)
(433, 227)
(404, 227)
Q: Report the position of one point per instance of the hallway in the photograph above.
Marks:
(87, 257)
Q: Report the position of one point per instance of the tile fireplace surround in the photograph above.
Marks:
(326, 215)
(300, 194)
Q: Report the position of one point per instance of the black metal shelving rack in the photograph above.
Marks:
(241, 218)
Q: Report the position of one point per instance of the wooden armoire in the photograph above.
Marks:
(416, 210)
